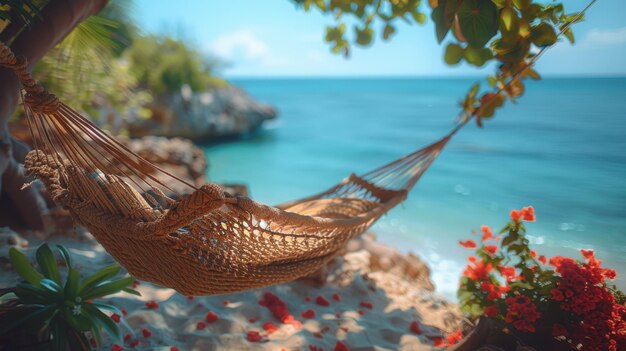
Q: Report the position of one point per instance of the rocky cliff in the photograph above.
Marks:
(226, 112)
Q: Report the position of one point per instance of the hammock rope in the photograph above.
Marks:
(202, 241)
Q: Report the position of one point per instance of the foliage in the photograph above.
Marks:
(164, 65)
(506, 32)
(61, 308)
(25, 10)
(85, 72)
(514, 286)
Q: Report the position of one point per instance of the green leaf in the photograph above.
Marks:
(543, 35)
(24, 268)
(419, 17)
(478, 21)
(569, 34)
(51, 285)
(477, 57)
(47, 263)
(521, 4)
(72, 284)
(132, 291)
(108, 288)
(454, 53)
(66, 256)
(32, 295)
(510, 21)
(364, 36)
(104, 320)
(441, 25)
(105, 273)
(388, 31)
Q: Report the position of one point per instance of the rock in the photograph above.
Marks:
(224, 112)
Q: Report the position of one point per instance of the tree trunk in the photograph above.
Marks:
(23, 208)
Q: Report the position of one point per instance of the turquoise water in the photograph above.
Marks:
(562, 148)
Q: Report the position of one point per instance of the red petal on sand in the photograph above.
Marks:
(307, 299)
(269, 327)
(211, 317)
(339, 346)
(321, 301)
(226, 302)
(200, 325)
(308, 314)
(152, 305)
(336, 297)
(115, 317)
(415, 328)
(116, 347)
(124, 312)
(174, 348)
(146, 333)
(366, 304)
(361, 312)
(253, 336)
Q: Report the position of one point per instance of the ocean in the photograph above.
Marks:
(560, 148)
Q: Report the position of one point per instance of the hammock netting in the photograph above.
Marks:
(205, 241)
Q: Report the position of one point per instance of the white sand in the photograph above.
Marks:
(396, 287)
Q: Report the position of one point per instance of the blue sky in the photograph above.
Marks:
(271, 38)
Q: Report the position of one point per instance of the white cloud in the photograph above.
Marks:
(607, 36)
(245, 44)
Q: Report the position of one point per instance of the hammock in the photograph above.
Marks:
(207, 242)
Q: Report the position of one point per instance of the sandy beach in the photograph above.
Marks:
(370, 298)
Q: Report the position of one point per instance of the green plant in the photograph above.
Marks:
(510, 33)
(164, 64)
(61, 309)
(570, 304)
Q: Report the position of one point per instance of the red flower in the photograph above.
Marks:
(468, 244)
(515, 215)
(116, 347)
(321, 301)
(491, 249)
(146, 333)
(152, 305)
(491, 311)
(533, 253)
(478, 271)
(174, 348)
(455, 337)
(115, 317)
(438, 342)
(124, 312)
(211, 317)
(508, 272)
(415, 328)
(133, 343)
(521, 313)
(127, 337)
(487, 233)
(336, 297)
(226, 302)
(542, 259)
(528, 214)
(308, 314)
(200, 325)
(253, 336)
(339, 346)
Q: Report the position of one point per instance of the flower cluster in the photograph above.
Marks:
(514, 286)
(596, 321)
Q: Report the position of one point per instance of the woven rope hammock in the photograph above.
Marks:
(207, 242)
